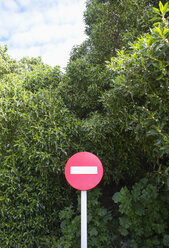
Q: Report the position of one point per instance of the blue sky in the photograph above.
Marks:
(46, 28)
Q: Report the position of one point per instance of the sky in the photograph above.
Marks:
(46, 28)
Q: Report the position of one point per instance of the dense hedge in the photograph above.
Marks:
(36, 136)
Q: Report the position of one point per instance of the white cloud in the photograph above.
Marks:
(10, 5)
(47, 28)
(24, 3)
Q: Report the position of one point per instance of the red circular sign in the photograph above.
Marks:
(84, 171)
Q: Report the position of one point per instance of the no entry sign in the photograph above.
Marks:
(84, 171)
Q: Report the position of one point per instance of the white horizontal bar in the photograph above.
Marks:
(77, 170)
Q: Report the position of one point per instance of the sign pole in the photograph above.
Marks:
(83, 219)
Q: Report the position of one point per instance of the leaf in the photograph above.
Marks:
(165, 9)
(160, 77)
(166, 240)
(161, 7)
(152, 132)
(123, 231)
(125, 222)
(165, 31)
(93, 232)
(116, 197)
(156, 10)
(157, 30)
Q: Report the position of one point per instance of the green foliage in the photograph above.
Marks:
(104, 137)
(8, 65)
(41, 77)
(36, 138)
(29, 63)
(111, 25)
(145, 213)
(120, 108)
(118, 112)
(83, 86)
(138, 100)
(99, 224)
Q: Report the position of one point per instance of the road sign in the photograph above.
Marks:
(84, 171)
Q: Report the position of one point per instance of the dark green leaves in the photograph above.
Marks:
(146, 217)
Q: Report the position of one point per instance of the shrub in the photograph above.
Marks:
(100, 224)
(144, 213)
(36, 136)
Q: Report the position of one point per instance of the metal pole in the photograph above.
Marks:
(83, 219)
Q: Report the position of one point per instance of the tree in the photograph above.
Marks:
(7, 64)
(36, 137)
(111, 25)
(83, 86)
(140, 96)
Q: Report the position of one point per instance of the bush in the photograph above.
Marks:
(144, 210)
(36, 138)
(138, 102)
(100, 224)
(136, 107)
